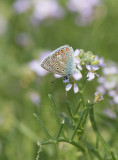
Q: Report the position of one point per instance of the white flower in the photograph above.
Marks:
(76, 53)
(116, 99)
(34, 96)
(91, 74)
(112, 69)
(84, 8)
(69, 86)
(35, 65)
(76, 89)
(110, 113)
(77, 75)
(57, 75)
(47, 8)
(101, 61)
(101, 80)
(21, 6)
(109, 84)
(114, 95)
(101, 89)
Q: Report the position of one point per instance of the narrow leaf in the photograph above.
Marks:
(79, 123)
(78, 106)
(70, 109)
(60, 130)
(91, 114)
(57, 115)
(42, 126)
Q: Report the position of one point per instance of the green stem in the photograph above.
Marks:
(60, 129)
(99, 136)
(79, 146)
(83, 98)
(80, 120)
(70, 109)
(78, 106)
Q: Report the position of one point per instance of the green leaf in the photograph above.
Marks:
(78, 106)
(79, 123)
(43, 127)
(91, 114)
(57, 115)
(107, 147)
(60, 130)
(70, 109)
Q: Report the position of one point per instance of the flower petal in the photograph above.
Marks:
(95, 67)
(76, 53)
(88, 67)
(101, 89)
(68, 87)
(36, 67)
(76, 89)
(112, 93)
(57, 75)
(90, 76)
(101, 62)
(116, 99)
(77, 75)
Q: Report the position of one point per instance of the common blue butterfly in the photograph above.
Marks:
(60, 61)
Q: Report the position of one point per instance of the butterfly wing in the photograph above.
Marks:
(47, 65)
(60, 61)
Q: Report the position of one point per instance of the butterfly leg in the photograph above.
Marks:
(66, 79)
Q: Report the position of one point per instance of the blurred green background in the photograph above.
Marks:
(22, 39)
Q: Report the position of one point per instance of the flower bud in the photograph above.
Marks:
(95, 62)
(81, 53)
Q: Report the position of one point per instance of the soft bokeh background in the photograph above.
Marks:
(29, 30)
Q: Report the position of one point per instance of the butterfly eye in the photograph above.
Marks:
(63, 70)
(57, 68)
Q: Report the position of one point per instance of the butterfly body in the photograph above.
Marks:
(60, 61)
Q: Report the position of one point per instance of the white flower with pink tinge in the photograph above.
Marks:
(35, 65)
(83, 7)
(21, 6)
(114, 95)
(91, 74)
(47, 9)
(69, 86)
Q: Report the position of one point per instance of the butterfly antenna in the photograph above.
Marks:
(53, 81)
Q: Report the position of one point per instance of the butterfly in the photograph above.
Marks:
(60, 61)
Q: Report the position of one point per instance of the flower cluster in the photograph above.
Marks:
(108, 84)
(86, 65)
(42, 9)
(85, 10)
